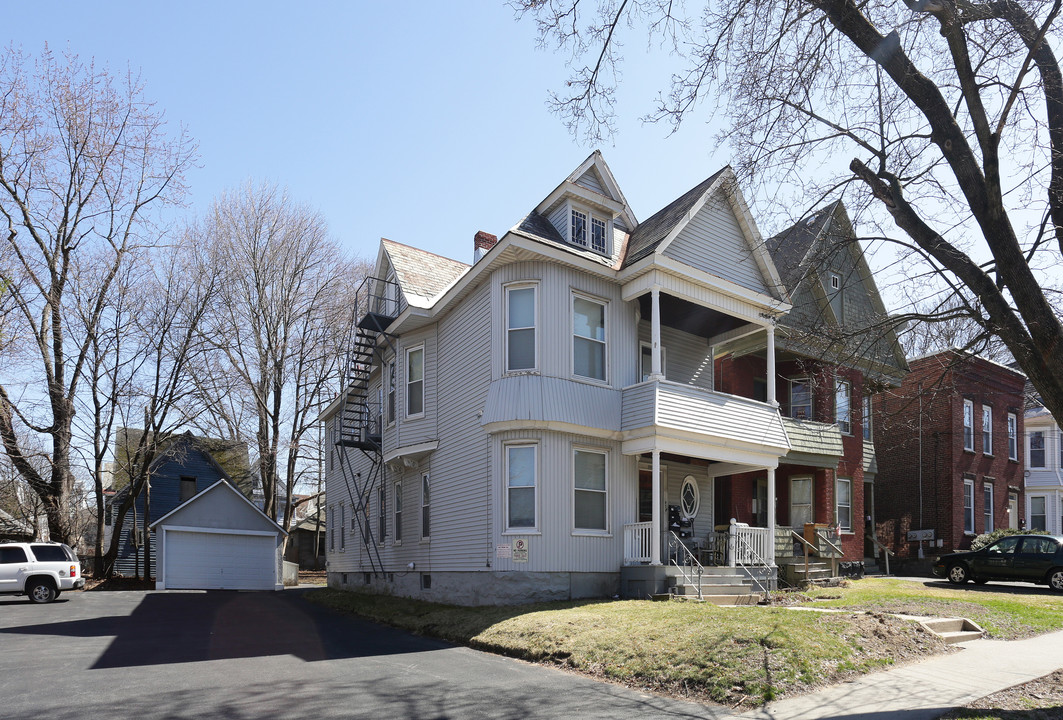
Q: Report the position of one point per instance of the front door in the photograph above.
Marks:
(1013, 511)
(800, 502)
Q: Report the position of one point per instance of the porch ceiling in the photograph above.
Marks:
(689, 317)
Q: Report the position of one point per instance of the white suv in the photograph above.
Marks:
(40, 570)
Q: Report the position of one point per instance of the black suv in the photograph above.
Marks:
(1028, 558)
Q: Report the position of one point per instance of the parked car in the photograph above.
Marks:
(40, 570)
(1027, 558)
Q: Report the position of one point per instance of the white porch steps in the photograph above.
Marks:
(719, 586)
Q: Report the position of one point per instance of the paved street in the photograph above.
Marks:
(234, 655)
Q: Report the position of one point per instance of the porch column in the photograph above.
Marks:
(655, 334)
(655, 530)
(771, 513)
(771, 367)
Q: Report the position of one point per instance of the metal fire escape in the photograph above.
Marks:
(360, 427)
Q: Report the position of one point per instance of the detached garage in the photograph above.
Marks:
(218, 540)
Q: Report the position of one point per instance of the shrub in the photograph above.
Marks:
(986, 538)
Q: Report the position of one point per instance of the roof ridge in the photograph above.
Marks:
(422, 250)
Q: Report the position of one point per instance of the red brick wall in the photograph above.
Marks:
(938, 386)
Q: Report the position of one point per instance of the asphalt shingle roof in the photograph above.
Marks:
(422, 273)
(789, 248)
(654, 229)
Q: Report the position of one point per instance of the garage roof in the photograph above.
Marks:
(219, 487)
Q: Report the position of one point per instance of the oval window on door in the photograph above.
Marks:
(689, 497)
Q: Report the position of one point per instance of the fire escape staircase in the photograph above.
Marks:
(360, 427)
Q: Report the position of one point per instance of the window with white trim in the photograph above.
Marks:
(398, 512)
(1013, 444)
(521, 321)
(968, 425)
(800, 398)
(588, 337)
(987, 502)
(968, 505)
(415, 382)
(521, 461)
(589, 471)
(578, 234)
(987, 430)
(343, 527)
(1036, 452)
(381, 511)
(1038, 512)
(867, 417)
(391, 392)
(331, 528)
(843, 513)
(598, 238)
(646, 360)
(843, 407)
(689, 498)
(426, 503)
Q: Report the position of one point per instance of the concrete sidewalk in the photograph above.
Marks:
(924, 690)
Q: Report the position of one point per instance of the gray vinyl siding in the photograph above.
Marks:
(559, 218)
(549, 399)
(713, 241)
(674, 473)
(591, 181)
(459, 468)
(554, 337)
(418, 429)
(687, 357)
(556, 545)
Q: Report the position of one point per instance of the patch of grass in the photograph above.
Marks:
(1007, 614)
(735, 656)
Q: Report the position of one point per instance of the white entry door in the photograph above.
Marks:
(800, 502)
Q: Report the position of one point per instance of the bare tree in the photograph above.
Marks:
(84, 158)
(940, 118)
(284, 298)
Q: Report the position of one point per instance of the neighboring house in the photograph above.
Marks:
(303, 547)
(11, 528)
(1044, 472)
(828, 364)
(185, 466)
(533, 425)
(950, 458)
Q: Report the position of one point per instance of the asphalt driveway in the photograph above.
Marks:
(236, 655)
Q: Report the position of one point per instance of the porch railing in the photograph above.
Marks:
(743, 545)
(681, 557)
(637, 543)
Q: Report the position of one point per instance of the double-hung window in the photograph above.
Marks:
(1037, 449)
(987, 430)
(579, 228)
(391, 392)
(844, 504)
(382, 515)
(968, 425)
(867, 418)
(801, 398)
(415, 382)
(1013, 444)
(331, 528)
(588, 338)
(521, 461)
(589, 469)
(842, 407)
(426, 504)
(343, 527)
(987, 500)
(398, 512)
(1038, 513)
(520, 327)
(968, 506)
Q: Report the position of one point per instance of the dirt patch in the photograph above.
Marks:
(313, 577)
(1040, 699)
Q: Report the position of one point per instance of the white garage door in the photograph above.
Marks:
(219, 561)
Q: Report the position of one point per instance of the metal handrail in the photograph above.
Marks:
(883, 548)
(756, 556)
(674, 543)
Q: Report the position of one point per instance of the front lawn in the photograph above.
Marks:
(736, 656)
(1004, 612)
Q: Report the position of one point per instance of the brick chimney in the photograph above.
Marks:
(482, 243)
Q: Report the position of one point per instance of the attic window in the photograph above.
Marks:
(582, 222)
(598, 235)
(835, 281)
(579, 228)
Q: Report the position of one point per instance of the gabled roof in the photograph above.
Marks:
(791, 249)
(10, 526)
(222, 484)
(652, 231)
(421, 275)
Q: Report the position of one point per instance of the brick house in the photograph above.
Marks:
(950, 453)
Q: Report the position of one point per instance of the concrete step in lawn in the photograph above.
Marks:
(953, 630)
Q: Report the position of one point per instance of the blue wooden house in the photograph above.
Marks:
(185, 466)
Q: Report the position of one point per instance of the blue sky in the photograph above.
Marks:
(422, 122)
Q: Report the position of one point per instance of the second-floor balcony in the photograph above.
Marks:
(673, 417)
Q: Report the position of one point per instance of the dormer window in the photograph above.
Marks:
(598, 236)
(579, 228)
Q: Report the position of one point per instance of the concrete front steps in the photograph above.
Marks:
(719, 586)
(953, 630)
(792, 571)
